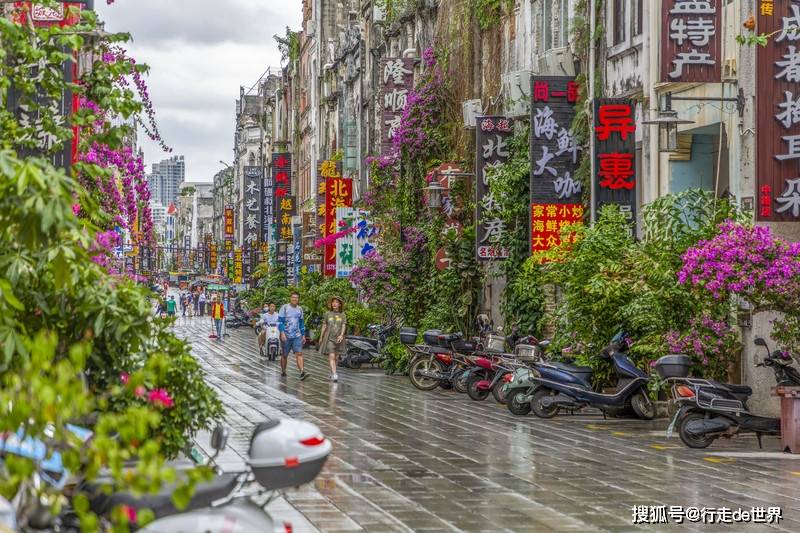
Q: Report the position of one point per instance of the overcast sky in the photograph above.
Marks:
(200, 52)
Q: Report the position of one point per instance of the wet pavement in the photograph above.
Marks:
(407, 460)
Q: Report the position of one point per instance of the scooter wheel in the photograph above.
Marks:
(500, 392)
(421, 365)
(354, 364)
(472, 388)
(540, 410)
(693, 441)
(515, 406)
(460, 383)
(446, 385)
(643, 406)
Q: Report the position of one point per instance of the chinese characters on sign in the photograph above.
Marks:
(548, 221)
(691, 50)
(355, 245)
(615, 155)
(555, 193)
(287, 208)
(253, 178)
(237, 269)
(278, 186)
(778, 113)
(310, 258)
(338, 193)
(228, 225)
(397, 79)
(491, 135)
(213, 258)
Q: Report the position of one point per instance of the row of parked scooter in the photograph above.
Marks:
(518, 375)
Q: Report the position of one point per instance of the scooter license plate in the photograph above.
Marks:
(671, 427)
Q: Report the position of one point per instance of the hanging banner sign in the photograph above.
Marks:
(555, 194)
(355, 245)
(280, 179)
(491, 137)
(253, 178)
(297, 256)
(237, 266)
(397, 80)
(213, 258)
(228, 223)
(338, 193)
(691, 43)
(778, 113)
(615, 155)
(309, 253)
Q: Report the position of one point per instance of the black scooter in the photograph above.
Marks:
(366, 350)
(710, 409)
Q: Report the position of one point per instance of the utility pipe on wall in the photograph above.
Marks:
(592, 61)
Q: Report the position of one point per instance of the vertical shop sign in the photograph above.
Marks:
(237, 265)
(778, 112)
(360, 241)
(615, 155)
(212, 258)
(491, 137)
(397, 80)
(279, 186)
(228, 224)
(692, 47)
(555, 192)
(338, 193)
(253, 178)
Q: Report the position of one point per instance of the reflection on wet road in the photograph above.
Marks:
(406, 460)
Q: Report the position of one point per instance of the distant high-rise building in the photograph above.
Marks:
(166, 178)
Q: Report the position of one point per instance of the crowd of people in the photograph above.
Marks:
(290, 320)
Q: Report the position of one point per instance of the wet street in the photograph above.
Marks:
(406, 460)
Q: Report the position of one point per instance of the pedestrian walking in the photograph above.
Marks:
(196, 302)
(331, 339)
(201, 300)
(183, 303)
(190, 304)
(293, 331)
(172, 306)
(217, 316)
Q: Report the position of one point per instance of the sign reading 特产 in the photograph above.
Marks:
(692, 44)
(555, 193)
(615, 155)
(491, 136)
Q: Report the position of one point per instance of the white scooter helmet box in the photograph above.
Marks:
(287, 453)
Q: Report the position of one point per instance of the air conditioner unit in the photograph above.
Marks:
(557, 62)
(470, 110)
(517, 93)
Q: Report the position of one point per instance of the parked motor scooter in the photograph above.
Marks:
(283, 453)
(558, 387)
(441, 361)
(366, 350)
(273, 342)
(710, 409)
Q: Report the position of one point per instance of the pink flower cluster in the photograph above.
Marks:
(372, 276)
(746, 261)
(710, 342)
(157, 397)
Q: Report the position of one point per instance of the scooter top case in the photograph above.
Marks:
(287, 453)
(239, 516)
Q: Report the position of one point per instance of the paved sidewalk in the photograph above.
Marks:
(406, 460)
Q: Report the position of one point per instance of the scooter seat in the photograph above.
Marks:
(161, 503)
(570, 368)
(735, 389)
(439, 349)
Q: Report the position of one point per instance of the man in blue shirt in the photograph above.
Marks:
(293, 331)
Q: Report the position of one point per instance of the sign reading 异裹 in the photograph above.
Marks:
(615, 155)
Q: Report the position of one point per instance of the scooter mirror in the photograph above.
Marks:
(499, 329)
(758, 341)
(219, 437)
